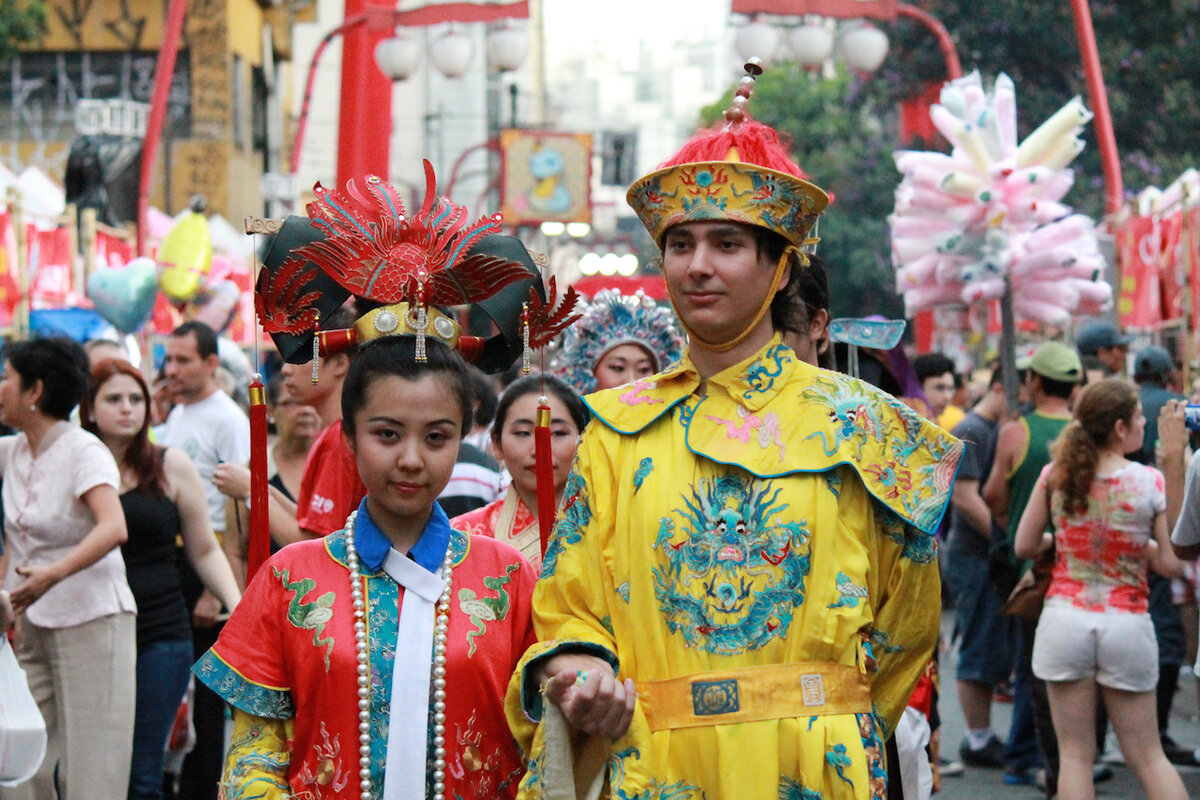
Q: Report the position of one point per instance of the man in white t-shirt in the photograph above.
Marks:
(207, 425)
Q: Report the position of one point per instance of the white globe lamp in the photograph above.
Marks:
(452, 53)
(507, 47)
(864, 48)
(758, 39)
(398, 57)
(811, 44)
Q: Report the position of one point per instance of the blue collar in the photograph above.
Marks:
(373, 546)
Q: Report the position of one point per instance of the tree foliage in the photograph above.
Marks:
(21, 22)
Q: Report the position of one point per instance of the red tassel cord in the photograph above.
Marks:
(260, 528)
(544, 466)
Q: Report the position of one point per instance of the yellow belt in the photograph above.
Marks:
(753, 694)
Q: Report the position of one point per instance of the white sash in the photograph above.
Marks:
(408, 724)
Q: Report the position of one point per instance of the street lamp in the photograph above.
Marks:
(862, 45)
(399, 56)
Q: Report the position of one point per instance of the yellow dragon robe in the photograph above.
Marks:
(759, 556)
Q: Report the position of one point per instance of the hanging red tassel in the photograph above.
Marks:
(544, 466)
(260, 529)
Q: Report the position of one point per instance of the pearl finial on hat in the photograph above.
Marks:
(736, 113)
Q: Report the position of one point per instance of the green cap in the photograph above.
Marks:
(1056, 361)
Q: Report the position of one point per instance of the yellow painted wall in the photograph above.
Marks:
(211, 162)
(104, 25)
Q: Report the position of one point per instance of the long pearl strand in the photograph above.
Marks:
(362, 656)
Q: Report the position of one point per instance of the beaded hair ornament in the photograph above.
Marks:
(407, 265)
(610, 320)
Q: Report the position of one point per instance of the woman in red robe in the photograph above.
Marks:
(512, 518)
(373, 662)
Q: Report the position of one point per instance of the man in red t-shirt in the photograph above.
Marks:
(330, 488)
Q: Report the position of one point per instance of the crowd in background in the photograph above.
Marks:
(153, 521)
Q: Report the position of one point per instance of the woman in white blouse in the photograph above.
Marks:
(75, 613)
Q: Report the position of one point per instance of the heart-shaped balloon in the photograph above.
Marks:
(125, 295)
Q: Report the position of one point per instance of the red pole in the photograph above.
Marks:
(302, 120)
(164, 70)
(365, 118)
(1114, 190)
(923, 322)
(259, 548)
(944, 40)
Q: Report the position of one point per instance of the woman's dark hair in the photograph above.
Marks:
(789, 307)
(1076, 451)
(59, 363)
(143, 456)
(485, 397)
(397, 355)
(545, 383)
(274, 389)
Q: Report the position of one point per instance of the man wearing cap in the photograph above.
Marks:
(1022, 450)
(1152, 370)
(1103, 341)
(742, 586)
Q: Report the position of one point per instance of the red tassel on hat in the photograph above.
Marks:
(260, 526)
(544, 469)
(749, 142)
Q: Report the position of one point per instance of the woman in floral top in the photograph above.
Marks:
(1108, 518)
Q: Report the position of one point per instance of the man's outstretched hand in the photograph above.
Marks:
(589, 695)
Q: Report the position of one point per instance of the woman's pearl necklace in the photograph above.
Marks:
(362, 656)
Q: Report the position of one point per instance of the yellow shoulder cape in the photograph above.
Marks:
(774, 415)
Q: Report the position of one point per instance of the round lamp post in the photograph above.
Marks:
(452, 53)
(864, 48)
(398, 57)
(812, 44)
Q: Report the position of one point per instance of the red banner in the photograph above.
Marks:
(112, 251)
(1139, 252)
(1172, 278)
(10, 291)
(1189, 259)
(50, 267)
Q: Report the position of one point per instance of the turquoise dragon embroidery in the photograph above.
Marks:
(310, 616)
(733, 581)
(792, 789)
(576, 514)
(483, 610)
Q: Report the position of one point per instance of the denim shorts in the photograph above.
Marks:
(987, 644)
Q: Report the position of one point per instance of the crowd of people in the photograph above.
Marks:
(740, 596)
(1069, 599)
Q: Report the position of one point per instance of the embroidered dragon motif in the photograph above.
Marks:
(310, 616)
(483, 610)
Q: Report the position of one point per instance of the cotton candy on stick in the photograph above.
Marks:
(992, 208)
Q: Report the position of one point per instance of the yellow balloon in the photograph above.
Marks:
(185, 258)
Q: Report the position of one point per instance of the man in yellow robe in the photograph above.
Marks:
(742, 587)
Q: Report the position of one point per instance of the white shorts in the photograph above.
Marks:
(1117, 648)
